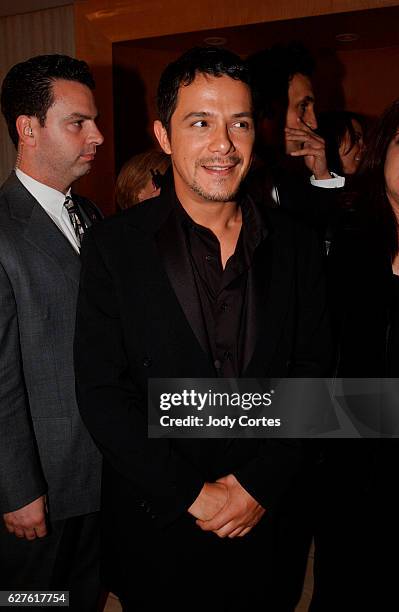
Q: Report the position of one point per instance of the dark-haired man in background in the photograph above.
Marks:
(199, 282)
(292, 165)
(49, 466)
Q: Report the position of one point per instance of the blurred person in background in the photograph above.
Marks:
(344, 133)
(291, 169)
(140, 178)
(355, 539)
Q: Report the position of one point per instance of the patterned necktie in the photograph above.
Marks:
(76, 220)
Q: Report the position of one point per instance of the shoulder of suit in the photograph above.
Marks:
(87, 205)
(146, 216)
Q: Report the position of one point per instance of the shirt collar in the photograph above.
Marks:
(51, 199)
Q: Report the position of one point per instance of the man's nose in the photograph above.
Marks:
(310, 118)
(221, 140)
(95, 136)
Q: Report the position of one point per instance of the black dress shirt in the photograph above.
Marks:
(223, 293)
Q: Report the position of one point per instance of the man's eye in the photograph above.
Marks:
(241, 124)
(200, 123)
(78, 123)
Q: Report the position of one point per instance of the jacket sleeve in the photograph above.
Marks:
(113, 405)
(21, 477)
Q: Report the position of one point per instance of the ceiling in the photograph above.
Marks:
(16, 7)
(375, 28)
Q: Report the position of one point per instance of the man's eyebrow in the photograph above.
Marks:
(81, 116)
(198, 115)
(201, 115)
(306, 99)
(243, 114)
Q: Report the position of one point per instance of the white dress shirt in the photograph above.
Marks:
(332, 183)
(52, 201)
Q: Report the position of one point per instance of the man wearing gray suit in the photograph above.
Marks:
(49, 466)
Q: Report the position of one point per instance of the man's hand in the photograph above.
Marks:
(212, 498)
(310, 146)
(238, 516)
(28, 522)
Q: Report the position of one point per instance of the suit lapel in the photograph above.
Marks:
(43, 233)
(170, 241)
(40, 230)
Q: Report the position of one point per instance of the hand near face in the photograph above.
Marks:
(239, 515)
(28, 522)
(311, 147)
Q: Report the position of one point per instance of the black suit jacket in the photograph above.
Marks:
(139, 317)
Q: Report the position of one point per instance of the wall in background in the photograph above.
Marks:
(371, 80)
(23, 36)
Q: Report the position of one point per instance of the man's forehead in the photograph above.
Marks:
(63, 89)
(213, 89)
(73, 97)
(301, 87)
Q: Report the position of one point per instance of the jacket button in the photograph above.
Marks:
(147, 362)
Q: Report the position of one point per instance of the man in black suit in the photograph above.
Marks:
(199, 282)
(291, 156)
(49, 467)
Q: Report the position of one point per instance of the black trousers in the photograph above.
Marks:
(183, 568)
(356, 535)
(66, 559)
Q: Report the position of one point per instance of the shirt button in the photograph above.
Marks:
(208, 257)
(227, 355)
(217, 364)
(224, 306)
(147, 362)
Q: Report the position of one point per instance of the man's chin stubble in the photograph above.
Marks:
(218, 196)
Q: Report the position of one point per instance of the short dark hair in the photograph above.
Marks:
(372, 177)
(333, 127)
(271, 72)
(28, 87)
(213, 61)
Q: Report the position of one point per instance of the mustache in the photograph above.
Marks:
(89, 152)
(218, 161)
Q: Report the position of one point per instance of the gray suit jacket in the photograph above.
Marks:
(44, 446)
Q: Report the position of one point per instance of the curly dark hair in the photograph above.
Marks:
(271, 71)
(28, 87)
(214, 61)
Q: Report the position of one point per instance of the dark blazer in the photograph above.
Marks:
(318, 207)
(360, 286)
(44, 446)
(139, 317)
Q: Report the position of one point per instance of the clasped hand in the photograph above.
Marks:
(226, 508)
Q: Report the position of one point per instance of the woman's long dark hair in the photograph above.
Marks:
(333, 126)
(372, 178)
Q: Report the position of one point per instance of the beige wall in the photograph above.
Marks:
(23, 36)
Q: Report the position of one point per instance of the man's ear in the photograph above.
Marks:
(162, 137)
(25, 129)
